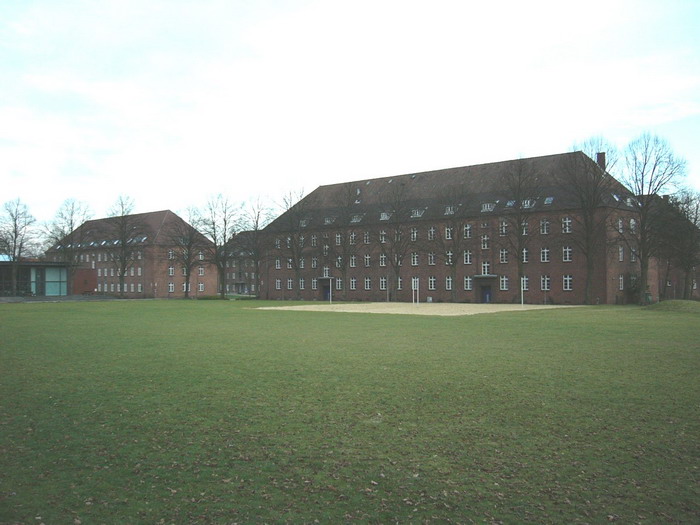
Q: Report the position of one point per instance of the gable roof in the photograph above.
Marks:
(436, 194)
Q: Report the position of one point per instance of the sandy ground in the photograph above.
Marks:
(415, 309)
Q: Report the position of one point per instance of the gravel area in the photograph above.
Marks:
(416, 309)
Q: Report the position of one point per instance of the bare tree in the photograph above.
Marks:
(125, 232)
(250, 242)
(588, 185)
(65, 234)
(293, 244)
(681, 236)
(219, 221)
(17, 235)
(393, 237)
(520, 189)
(651, 169)
(188, 247)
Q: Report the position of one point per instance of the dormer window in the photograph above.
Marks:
(528, 203)
(356, 218)
(417, 212)
(303, 223)
(449, 210)
(328, 220)
(385, 216)
(509, 204)
(488, 206)
(548, 201)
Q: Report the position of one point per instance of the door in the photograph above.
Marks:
(486, 294)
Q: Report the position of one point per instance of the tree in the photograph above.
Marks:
(125, 232)
(651, 169)
(249, 243)
(681, 236)
(219, 221)
(17, 235)
(65, 233)
(588, 186)
(188, 246)
(520, 188)
(393, 239)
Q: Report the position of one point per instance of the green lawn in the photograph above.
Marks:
(214, 412)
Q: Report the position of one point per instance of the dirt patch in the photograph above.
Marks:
(415, 309)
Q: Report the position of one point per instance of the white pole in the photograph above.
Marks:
(522, 291)
(330, 295)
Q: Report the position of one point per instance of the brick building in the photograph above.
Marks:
(153, 254)
(500, 232)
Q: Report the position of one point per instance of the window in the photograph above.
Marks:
(567, 252)
(568, 282)
(368, 260)
(278, 263)
(326, 271)
(277, 244)
(289, 263)
(503, 282)
(302, 263)
(171, 287)
(544, 255)
(524, 227)
(382, 259)
(621, 281)
(484, 242)
(356, 218)
(399, 283)
(186, 287)
(431, 258)
(139, 271)
(338, 239)
(353, 283)
(171, 270)
(633, 225)
(449, 210)
(525, 255)
(633, 256)
(314, 240)
(338, 283)
(140, 287)
(448, 258)
(467, 283)
(431, 282)
(467, 256)
(414, 259)
(525, 283)
(503, 256)
(528, 203)
(417, 212)
(171, 254)
(382, 236)
(302, 283)
(339, 262)
(328, 220)
(488, 206)
(431, 233)
(544, 226)
(314, 262)
(99, 272)
(414, 234)
(314, 283)
(448, 233)
(353, 261)
(325, 250)
(368, 283)
(503, 228)
(448, 283)
(620, 253)
(365, 237)
(200, 287)
(184, 271)
(201, 257)
(353, 238)
(467, 231)
(485, 268)
(566, 225)
(200, 270)
(620, 225)
(290, 284)
(384, 216)
(382, 283)
(545, 283)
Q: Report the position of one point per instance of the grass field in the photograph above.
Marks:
(214, 412)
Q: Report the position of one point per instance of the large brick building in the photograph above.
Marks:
(501, 232)
(153, 254)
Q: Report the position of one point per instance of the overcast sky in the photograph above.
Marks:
(173, 101)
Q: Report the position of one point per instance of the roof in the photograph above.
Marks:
(149, 228)
(463, 191)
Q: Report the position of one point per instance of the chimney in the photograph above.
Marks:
(600, 159)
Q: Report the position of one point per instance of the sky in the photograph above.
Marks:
(170, 102)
